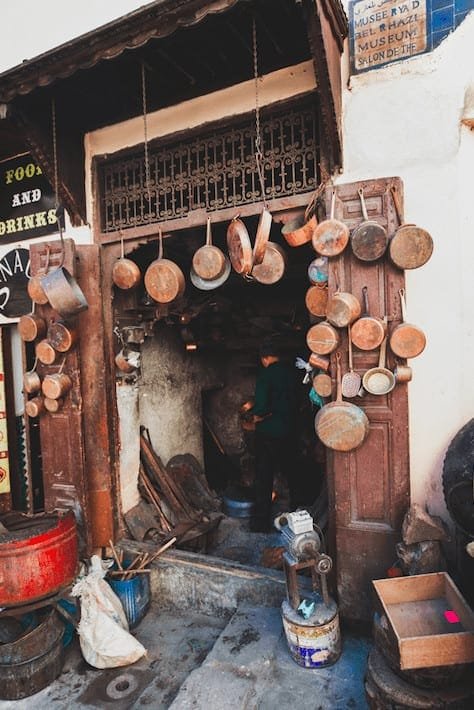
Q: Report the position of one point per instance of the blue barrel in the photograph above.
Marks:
(135, 596)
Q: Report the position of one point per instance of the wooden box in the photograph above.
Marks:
(416, 609)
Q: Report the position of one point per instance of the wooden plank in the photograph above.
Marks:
(149, 458)
(160, 470)
(95, 390)
(410, 589)
(442, 650)
(197, 218)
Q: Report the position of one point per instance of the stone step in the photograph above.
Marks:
(250, 666)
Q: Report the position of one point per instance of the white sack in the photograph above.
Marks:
(103, 628)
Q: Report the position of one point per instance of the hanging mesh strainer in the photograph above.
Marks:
(351, 380)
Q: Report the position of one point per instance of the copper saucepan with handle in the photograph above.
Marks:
(341, 426)
(125, 272)
(164, 280)
(209, 262)
(368, 332)
(369, 239)
(239, 246)
(410, 246)
(331, 236)
(407, 340)
(35, 288)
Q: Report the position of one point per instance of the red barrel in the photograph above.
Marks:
(38, 560)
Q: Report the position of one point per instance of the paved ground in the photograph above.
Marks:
(208, 663)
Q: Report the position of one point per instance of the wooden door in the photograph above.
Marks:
(75, 441)
(369, 487)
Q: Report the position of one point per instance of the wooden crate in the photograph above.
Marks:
(415, 607)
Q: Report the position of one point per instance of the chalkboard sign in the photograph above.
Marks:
(27, 201)
(14, 275)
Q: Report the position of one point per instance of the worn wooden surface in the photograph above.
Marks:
(369, 487)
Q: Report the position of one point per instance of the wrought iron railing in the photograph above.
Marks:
(212, 171)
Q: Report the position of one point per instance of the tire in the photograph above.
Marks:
(458, 472)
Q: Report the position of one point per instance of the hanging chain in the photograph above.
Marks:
(145, 140)
(258, 136)
(55, 153)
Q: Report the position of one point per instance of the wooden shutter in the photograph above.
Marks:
(75, 441)
(369, 487)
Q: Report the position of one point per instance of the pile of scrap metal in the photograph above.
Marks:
(177, 501)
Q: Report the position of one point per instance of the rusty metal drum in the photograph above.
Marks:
(37, 560)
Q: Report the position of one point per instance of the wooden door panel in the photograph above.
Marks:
(369, 487)
(61, 434)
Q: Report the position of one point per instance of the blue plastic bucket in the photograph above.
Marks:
(135, 596)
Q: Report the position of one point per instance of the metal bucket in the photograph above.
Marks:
(135, 596)
(33, 661)
(63, 292)
(238, 502)
(314, 642)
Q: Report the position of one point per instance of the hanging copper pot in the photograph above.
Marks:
(53, 405)
(61, 336)
(125, 272)
(330, 237)
(31, 327)
(45, 352)
(164, 280)
(239, 246)
(273, 266)
(209, 262)
(56, 385)
(34, 407)
(31, 382)
(35, 288)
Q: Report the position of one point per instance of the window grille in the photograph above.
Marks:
(212, 171)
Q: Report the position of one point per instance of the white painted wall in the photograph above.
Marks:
(404, 120)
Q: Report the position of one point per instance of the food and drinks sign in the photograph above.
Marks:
(385, 31)
(27, 201)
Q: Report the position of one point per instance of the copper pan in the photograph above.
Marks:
(272, 268)
(343, 309)
(125, 272)
(31, 382)
(240, 248)
(300, 229)
(322, 338)
(341, 426)
(263, 234)
(367, 332)
(209, 262)
(407, 340)
(410, 246)
(164, 280)
(31, 327)
(331, 236)
(61, 336)
(35, 288)
(369, 239)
